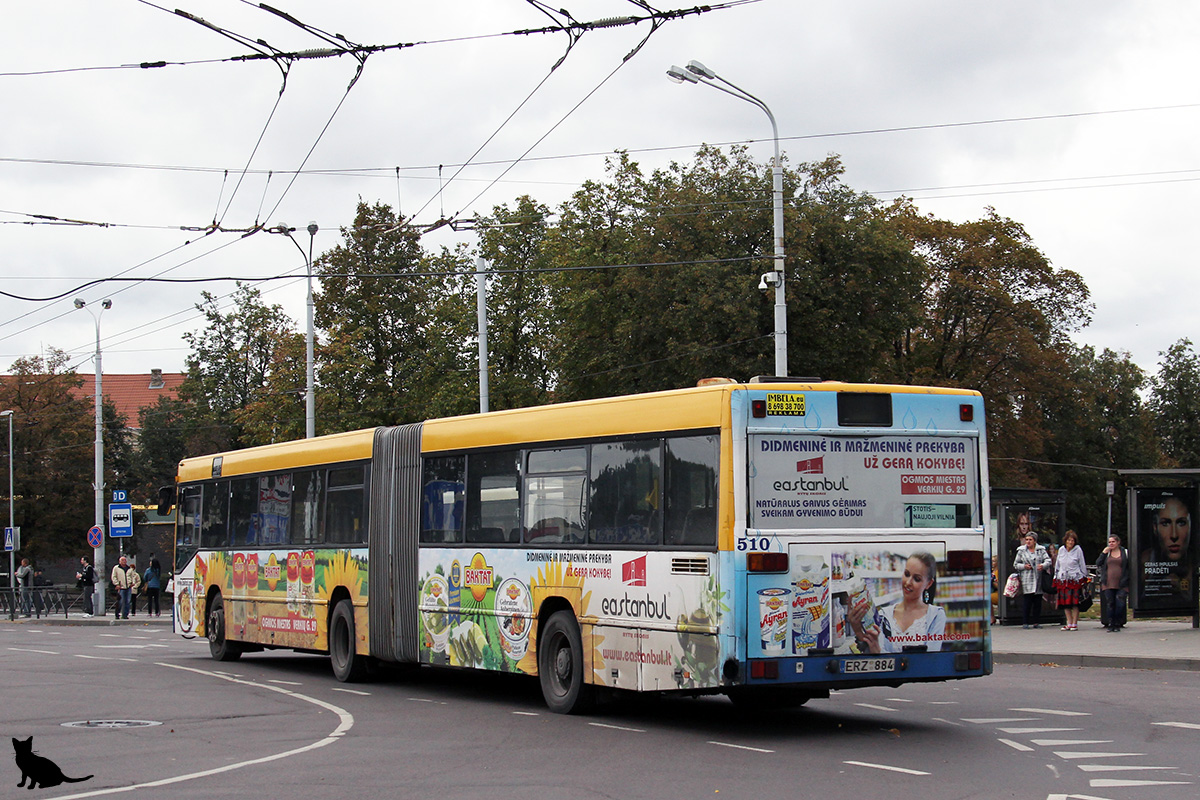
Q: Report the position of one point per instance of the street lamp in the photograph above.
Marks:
(12, 554)
(98, 552)
(698, 73)
(310, 397)
(310, 400)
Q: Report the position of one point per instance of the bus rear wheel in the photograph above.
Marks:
(218, 646)
(348, 666)
(560, 666)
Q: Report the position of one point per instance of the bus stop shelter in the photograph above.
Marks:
(1014, 513)
(1163, 550)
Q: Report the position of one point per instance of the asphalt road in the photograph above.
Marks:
(280, 723)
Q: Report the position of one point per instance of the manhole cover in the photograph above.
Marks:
(111, 723)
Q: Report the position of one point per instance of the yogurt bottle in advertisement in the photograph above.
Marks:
(810, 605)
(860, 597)
(773, 619)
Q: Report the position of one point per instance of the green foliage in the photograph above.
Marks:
(1175, 401)
(54, 456)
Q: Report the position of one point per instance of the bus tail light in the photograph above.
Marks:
(758, 408)
(964, 662)
(765, 670)
(767, 562)
(964, 560)
(966, 413)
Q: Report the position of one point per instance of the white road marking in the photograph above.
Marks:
(742, 747)
(98, 658)
(885, 767)
(526, 713)
(1039, 730)
(129, 646)
(286, 683)
(877, 708)
(1114, 767)
(31, 650)
(348, 691)
(997, 720)
(1073, 756)
(1108, 783)
(1065, 742)
(948, 722)
(1016, 745)
(943, 702)
(898, 700)
(616, 727)
(1052, 711)
(1073, 797)
(1189, 725)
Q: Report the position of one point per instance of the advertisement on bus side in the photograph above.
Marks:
(641, 625)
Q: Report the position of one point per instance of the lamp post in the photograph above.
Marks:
(698, 73)
(310, 400)
(310, 396)
(98, 552)
(12, 554)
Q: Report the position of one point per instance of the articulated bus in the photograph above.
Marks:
(770, 540)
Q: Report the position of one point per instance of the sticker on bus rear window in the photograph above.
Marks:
(785, 405)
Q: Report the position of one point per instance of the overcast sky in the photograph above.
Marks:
(1077, 119)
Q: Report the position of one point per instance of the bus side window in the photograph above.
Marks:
(691, 490)
(189, 520)
(346, 503)
(626, 483)
(243, 513)
(555, 497)
(494, 497)
(442, 499)
(214, 520)
(308, 494)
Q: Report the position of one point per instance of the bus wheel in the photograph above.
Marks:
(560, 666)
(221, 648)
(348, 666)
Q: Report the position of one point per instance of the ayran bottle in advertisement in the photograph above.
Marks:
(810, 605)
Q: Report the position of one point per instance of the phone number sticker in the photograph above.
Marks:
(785, 405)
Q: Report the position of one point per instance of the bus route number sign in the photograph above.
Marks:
(785, 405)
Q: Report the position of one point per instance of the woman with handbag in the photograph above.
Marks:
(1030, 562)
(1112, 573)
(1070, 574)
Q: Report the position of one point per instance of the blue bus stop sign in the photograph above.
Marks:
(95, 536)
(120, 519)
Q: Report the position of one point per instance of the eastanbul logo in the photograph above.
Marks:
(818, 485)
(639, 608)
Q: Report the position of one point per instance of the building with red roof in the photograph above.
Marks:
(131, 393)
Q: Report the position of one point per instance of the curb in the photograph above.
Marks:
(1106, 662)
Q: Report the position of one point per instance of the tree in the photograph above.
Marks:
(997, 317)
(53, 461)
(520, 328)
(393, 330)
(1175, 401)
(241, 381)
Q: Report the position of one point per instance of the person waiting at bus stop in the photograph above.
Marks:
(86, 578)
(1030, 562)
(152, 580)
(25, 584)
(126, 581)
(1112, 572)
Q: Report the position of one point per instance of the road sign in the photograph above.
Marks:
(12, 539)
(120, 496)
(120, 519)
(95, 537)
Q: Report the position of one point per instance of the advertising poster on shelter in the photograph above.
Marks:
(1165, 551)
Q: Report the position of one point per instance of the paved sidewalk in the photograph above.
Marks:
(1142, 644)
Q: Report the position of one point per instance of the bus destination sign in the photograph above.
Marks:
(785, 405)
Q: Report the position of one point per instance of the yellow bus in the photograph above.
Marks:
(769, 540)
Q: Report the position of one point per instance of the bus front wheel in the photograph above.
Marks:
(218, 646)
(348, 666)
(560, 666)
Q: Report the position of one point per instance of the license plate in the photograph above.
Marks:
(869, 665)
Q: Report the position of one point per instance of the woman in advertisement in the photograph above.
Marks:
(1070, 573)
(913, 620)
(1030, 562)
(1165, 561)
